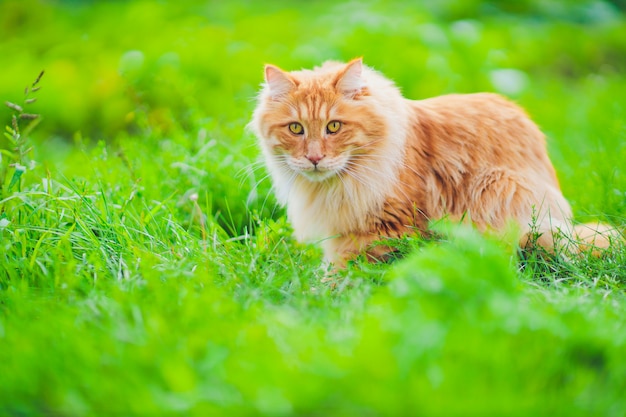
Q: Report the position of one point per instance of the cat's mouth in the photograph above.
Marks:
(315, 172)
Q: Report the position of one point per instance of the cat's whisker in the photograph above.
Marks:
(291, 181)
(401, 190)
(249, 172)
(254, 165)
(360, 157)
(413, 170)
(366, 145)
(267, 196)
(260, 181)
(374, 158)
(355, 175)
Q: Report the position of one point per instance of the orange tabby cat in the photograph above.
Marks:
(355, 162)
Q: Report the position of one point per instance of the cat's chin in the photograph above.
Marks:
(317, 175)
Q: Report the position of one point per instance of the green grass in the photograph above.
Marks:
(145, 268)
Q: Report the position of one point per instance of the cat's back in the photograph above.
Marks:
(481, 129)
(474, 113)
(477, 101)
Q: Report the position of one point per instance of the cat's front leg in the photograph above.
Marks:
(339, 251)
(342, 249)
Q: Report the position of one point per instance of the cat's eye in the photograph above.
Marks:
(333, 127)
(296, 128)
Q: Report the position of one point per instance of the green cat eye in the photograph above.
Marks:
(333, 127)
(296, 128)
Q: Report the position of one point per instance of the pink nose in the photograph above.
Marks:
(315, 158)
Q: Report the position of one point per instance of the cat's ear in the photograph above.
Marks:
(350, 80)
(278, 81)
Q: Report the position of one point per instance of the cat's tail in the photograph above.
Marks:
(595, 238)
(573, 240)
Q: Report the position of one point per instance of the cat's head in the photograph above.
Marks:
(323, 123)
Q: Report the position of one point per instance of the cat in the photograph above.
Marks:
(356, 162)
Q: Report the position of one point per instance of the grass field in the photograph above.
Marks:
(145, 268)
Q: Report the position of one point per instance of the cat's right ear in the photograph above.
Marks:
(350, 80)
(278, 81)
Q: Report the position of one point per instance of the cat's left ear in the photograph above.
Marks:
(350, 81)
(278, 81)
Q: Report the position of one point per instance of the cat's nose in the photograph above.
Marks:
(315, 158)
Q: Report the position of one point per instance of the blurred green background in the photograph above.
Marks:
(121, 293)
(115, 65)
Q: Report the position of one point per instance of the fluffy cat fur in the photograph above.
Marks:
(396, 164)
